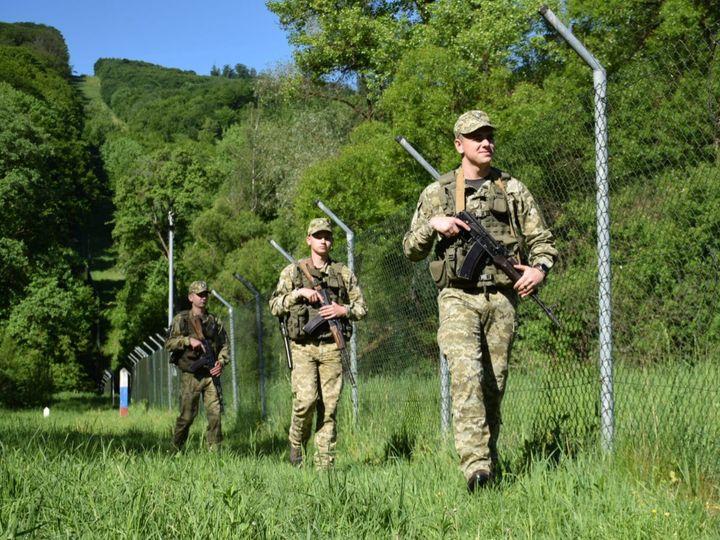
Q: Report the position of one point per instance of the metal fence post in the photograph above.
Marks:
(350, 237)
(444, 395)
(107, 377)
(171, 372)
(444, 368)
(603, 227)
(156, 381)
(158, 353)
(134, 360)
(259, 329)
(143, 356)
(233, 366)
(171, 237)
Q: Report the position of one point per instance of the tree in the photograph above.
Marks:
(44, 41)
(357, 41)
(363, 41)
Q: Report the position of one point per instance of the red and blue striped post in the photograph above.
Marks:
(124, 392)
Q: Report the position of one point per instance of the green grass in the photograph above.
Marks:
(85, 472)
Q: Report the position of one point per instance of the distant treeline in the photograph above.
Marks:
(171, 102)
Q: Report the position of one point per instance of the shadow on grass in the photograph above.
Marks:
(84, 402)
(250, 436)
(87, 436)
(558, 437)
(84, 442)
(400, 445)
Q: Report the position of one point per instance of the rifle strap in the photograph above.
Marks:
(499, 181)
(195, 323)
(304, 266)
(459, 190)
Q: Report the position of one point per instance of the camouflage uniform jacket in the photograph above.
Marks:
(287, 298)
(438, 199)
(181, 330)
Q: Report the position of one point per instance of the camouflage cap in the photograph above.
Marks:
(319, 224)
(472, 121)
(197, 287)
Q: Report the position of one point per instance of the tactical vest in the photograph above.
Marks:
(303, 312)
(491, 208)
(187, 356)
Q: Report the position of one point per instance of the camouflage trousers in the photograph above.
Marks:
(192, 387)
(476, 332)
(316, 386)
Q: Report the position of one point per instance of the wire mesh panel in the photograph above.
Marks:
(666, 235)
(153, 383)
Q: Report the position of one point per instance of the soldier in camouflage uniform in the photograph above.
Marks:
(190, 333)
(317, 370)
(477, 316)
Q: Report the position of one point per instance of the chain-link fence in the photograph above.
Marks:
(664, 219)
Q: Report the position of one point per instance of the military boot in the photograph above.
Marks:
(478, 479)
(296, 456)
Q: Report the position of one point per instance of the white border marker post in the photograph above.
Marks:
(123, 392)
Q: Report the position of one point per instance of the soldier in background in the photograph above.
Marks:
(317, 369)
(194, 333)
(478, 317)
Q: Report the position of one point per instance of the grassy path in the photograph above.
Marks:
(84, 472)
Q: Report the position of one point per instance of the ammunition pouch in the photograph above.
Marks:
(438, 274)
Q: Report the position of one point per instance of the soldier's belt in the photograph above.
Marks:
(314, 340)
(474, 288)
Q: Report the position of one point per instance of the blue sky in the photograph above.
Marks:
(182, 34)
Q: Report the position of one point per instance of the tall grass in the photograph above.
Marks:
(85, 472)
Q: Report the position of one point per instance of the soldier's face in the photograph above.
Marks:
(320, 242)
(478, 147)
(199, 301)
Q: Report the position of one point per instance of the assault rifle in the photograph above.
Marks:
(313, 325)
(483, 243)
(207, 359)
(499, 255)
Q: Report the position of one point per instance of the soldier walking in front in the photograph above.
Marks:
(478, 315)
(316, 360)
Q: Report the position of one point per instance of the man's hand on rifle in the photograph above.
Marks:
(216, 370)
(333, 311)
(196, 344)
(311, 295)
(448, 226)
(529, 281)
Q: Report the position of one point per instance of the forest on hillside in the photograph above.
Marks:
(91, 168)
